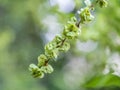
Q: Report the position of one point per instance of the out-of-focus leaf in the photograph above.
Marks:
(103, 81)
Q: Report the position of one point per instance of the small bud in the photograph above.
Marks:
(58, 39)
(50, 50)
(41, 60)
(40, 75)
(102, 3)
(71, 30)
(54, 53)
(85, 15)
(36, 72)
(65, 47)
(47, 69)
(32, 67)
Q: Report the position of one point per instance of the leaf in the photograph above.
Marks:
(103, 81)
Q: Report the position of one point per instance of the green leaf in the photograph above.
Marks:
(103, 81)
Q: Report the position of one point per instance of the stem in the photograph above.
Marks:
(61, 43)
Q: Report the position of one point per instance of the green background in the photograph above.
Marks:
(22, 40)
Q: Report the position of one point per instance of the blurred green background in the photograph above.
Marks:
(92, 63)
